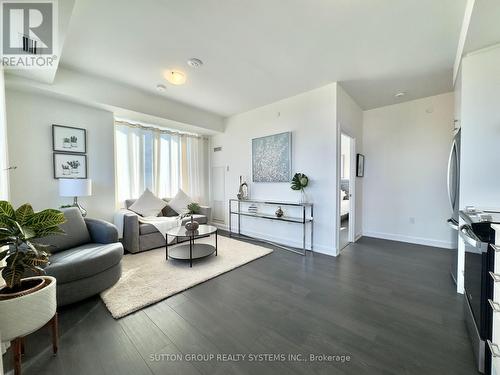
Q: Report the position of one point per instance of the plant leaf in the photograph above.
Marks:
(49, 232)
(7, 210)
(35, 261)
(12, 274)
(3, 254)
(28, 232)
(45, 219)
(23, 213)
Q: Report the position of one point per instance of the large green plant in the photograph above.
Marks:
(19, 230)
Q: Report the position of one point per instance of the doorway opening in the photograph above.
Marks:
(346, 191)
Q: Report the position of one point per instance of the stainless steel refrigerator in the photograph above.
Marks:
(453, 181)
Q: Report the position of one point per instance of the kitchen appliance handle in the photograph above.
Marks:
(448, 178)
(452, 223)
(495, 306)
(470, 238)
(494, 349)
(495, 276)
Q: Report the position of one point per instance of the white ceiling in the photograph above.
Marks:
(260, 51)
(484, 29)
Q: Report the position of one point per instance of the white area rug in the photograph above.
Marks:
(148, 278)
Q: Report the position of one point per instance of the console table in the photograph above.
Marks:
(304, 219)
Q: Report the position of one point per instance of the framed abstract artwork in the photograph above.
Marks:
(70, 165)
(272, 158)
(69, 139)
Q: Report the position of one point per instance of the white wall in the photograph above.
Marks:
(404, 189)
(350, 121)
(311, 117)
(4, 173)
(480, 124)
(29, 120)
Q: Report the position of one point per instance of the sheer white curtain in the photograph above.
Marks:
(195, 177)
(167, 171)
(160, 161)
(4, 173)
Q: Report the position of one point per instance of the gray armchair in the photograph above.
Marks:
(85, 260)
(139, 236)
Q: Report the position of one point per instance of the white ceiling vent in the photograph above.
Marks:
(194, 62)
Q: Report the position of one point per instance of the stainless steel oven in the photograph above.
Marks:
(477, 236)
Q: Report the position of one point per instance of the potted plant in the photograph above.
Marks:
(74, 164)
(74, 141)
(66, 143)
(65, 170)
(192, 209)
(300, 182)
(26, 303)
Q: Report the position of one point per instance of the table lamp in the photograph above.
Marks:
(75, 187)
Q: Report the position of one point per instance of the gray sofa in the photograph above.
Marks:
(139, 237)
(85, 260)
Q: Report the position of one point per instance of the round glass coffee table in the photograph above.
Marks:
(191, 250)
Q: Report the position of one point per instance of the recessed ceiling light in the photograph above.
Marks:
(194, 62)
(161, 88)
(175, 77)
(400, 94)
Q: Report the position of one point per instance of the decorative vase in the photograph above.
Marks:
(279, 212)
(24, 314)
(303, 196)
(243, 190)
(192, 225)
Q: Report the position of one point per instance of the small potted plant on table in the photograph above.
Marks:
(300, 182)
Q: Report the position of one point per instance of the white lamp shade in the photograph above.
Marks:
(75, 187)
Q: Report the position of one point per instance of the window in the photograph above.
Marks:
(160, 160)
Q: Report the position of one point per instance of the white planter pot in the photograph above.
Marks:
(23, 315)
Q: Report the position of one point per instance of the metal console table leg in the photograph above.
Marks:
(166, 246)
(191, 242)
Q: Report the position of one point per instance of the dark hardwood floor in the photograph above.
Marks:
(390, 307)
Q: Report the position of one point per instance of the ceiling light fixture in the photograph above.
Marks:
(175, 77)
(400, 94)
(194, 62)
(161, 88)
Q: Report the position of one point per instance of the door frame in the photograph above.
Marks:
(352, 187)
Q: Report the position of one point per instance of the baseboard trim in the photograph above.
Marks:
(318, 248)
(410, 239)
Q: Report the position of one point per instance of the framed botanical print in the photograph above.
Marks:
(70, 165)
(69, 139)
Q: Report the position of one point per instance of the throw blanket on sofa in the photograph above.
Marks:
(162, 223)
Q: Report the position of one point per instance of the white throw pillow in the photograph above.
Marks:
(148, 204)
(180, 202)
